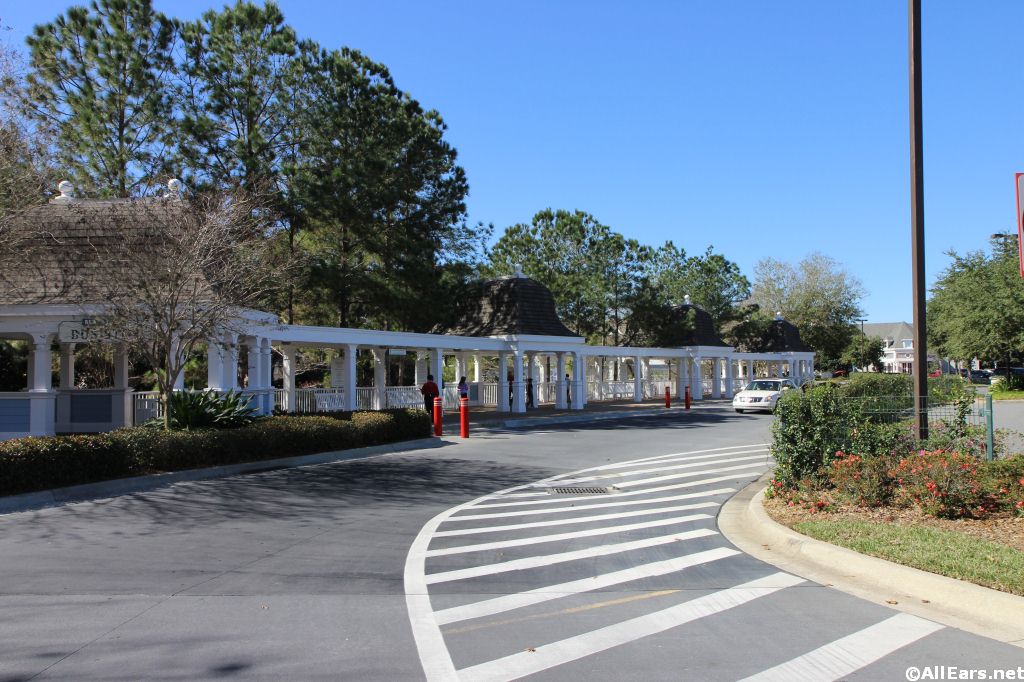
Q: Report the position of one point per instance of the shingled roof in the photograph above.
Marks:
(69, 250)
(510, 306)
(701, 332)
(784, 337)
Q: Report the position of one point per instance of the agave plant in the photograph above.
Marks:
(209, 410)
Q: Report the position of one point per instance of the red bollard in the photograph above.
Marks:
(464, 417)
(668, 397)
(687, 399)
(438, 416)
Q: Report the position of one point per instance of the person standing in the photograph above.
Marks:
(568, 391)
(529, 392)
(463, 388)
(430, 391)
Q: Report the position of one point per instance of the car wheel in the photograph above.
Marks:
(739, 411)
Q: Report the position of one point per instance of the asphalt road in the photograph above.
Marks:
(448, 562)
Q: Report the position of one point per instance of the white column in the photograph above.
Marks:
(579, 381)
(290, 354)
(350, 377)
(716, 378)
(518, 383)
(561, 386)
(214, 365)
(267, 376)
(750, 370)
(179, 381)
(42, 405)
(437, 368)
(503, 404)
(728, 379)
(697, 379)
(67, 365)
(461, 367)
(380, 379)
(127, 416)
(478, 368)
(253, 364)
(638, 382)
(682, 372)
(230, 380)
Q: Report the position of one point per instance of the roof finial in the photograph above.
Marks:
(686, 300)
(67, 191)
(174, 185)
(518, 270)
(778, 314)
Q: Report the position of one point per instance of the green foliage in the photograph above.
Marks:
(203, 410)
(818, 296)
(863, 384)
(28, 464)
(863, 352)
(712, 282)
(98, 80)
(1004, 479)
(865, 481)
(940, 483)
(809, 429)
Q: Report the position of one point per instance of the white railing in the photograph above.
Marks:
(610, 390)
(489, 395)
(656, 389)
(146, 405)
(450, 397)
(547, 392)
(706, 385)
(366, 398)
(403, 396)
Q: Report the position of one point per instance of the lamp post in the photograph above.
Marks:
(917, 223)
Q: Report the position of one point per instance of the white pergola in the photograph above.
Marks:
(44, 409)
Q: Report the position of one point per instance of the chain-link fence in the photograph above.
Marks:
(966, 415)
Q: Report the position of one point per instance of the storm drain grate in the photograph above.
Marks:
(580, 491)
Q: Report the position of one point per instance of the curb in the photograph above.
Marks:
(956, 603)
(137, 484)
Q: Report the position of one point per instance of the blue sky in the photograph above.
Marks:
(767, 129)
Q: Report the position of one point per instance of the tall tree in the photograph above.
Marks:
(97, 82)
(237, 67)
(712, 281)
(977, 306)
(820, 297)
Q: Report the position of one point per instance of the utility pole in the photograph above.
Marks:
(917, 225)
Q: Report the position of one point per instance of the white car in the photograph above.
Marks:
(761, 394)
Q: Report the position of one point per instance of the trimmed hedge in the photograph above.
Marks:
(29, 464)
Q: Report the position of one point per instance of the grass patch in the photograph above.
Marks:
(930, 549)
(1007, 395)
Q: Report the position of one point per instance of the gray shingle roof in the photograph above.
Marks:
(511, 305)
(784, 337)
(69, 251)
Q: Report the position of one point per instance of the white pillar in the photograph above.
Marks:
(230, 380)
(503, 403)
(351, 403)
(290, 354)
(638, 383)
(461, 367)
(579, 381)
(42, 406)
(380, 379)
(253, 364)
(120, 367)
(561, 386)
(728, 379)
(214, 365)
(518, 383)
(179, 381)
(267, 376)
(437, 368)
(697, 379)
(67, 365)
(478, 368)
(716, 378)
(421, 368)
(682, 365)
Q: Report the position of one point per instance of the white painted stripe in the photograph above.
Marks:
(558, 537)
(844, 656)
(675, 486)
(550, 559)
(582, 519)
(688, 474)
(557, 653)
(654, 470)
(520, 600)
(587, 507)
(681, 457)
(689, 453)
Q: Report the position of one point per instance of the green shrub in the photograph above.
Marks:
(809, 429)
(28, 464)
(864, 384)
(1004, 479)
(945, 484)
(207, 409)
(862, 480)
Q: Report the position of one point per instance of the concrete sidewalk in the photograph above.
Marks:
(960, 604)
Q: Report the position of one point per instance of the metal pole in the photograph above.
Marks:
(917, 225)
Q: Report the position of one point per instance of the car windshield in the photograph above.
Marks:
(764, 386)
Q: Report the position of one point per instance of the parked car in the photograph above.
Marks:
(979, 376)
(839, 373)
(761, 394)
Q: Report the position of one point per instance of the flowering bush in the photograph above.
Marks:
(804, 495)
(941, 483)
(1004, 478)
(866, 481)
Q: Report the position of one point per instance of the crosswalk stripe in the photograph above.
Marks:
(490, 607)
(676, 457)
(844, 656)
(562, 557)
(557, 537)
(547, 656)
(581, 519)
(688, 474)
(675, 486)
(599, 505)
(717, 452)
(654, 470)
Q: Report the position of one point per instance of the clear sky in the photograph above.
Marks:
(766, 129)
